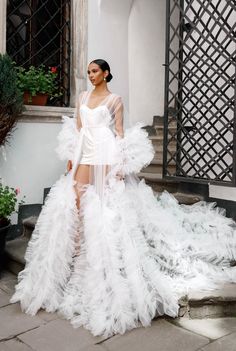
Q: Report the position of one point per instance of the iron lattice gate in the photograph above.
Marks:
(200, 110)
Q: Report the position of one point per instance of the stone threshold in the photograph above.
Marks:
(214, 303)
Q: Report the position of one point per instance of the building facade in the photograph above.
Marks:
(131, 35)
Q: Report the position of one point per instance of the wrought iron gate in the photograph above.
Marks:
(200, 110)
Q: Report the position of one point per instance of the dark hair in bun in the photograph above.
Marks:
(104, 67)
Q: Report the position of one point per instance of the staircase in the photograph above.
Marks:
(153, 172)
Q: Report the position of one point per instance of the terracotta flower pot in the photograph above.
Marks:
(39, 99)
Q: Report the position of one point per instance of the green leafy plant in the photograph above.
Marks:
(11, 103)
(38, 80)
(8, 201)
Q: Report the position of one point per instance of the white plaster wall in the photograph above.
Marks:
(130, 35)
(146, 55)
(108, 39)
(31, 162)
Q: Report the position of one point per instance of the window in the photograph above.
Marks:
(38, 32)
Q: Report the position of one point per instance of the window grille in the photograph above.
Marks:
(39, 32)
(200, 136)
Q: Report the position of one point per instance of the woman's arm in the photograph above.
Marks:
(78, 125)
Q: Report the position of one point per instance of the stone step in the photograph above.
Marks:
(152, 169)
(157, 141)
(157, 183)
(159, 121)
(160, 129)
(158, 158)
(15, 249)
(159, 149)
(187, 199)
(156, 168)
(153, 177)
(15, 252)
(28, 226)
(214, 303)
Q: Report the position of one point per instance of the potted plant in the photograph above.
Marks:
(8, 201)
(37, 84)
(10, 98)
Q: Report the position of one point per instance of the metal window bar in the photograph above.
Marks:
(200, 83)
(39, 32)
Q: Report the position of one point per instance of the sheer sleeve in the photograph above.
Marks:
(77, 111)
(134, 147)
(119, 130)
(69, 135)
(118, 112)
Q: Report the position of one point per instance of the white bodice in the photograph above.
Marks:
(96, 117)
(99, 146)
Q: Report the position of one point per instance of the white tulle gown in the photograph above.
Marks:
(126, 256)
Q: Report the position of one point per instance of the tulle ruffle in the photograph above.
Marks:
(137, 255)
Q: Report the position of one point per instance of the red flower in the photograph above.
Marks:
(17, 191)
(53, 69)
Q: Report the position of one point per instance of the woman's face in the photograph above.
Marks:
(96, 74)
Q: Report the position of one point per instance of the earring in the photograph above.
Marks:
(104, 78)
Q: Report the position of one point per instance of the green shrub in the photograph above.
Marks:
(11, 102)
(8, 201)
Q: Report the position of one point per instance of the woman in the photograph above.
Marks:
(105, 252)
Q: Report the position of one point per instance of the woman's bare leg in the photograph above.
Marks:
(82, 178)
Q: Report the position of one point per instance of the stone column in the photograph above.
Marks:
(79, 45)
(3, 23)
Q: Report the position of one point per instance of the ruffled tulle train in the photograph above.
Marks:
(137, 255)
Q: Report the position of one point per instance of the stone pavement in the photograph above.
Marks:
(49, 332)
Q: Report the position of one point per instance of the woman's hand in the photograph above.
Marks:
(69, 166)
